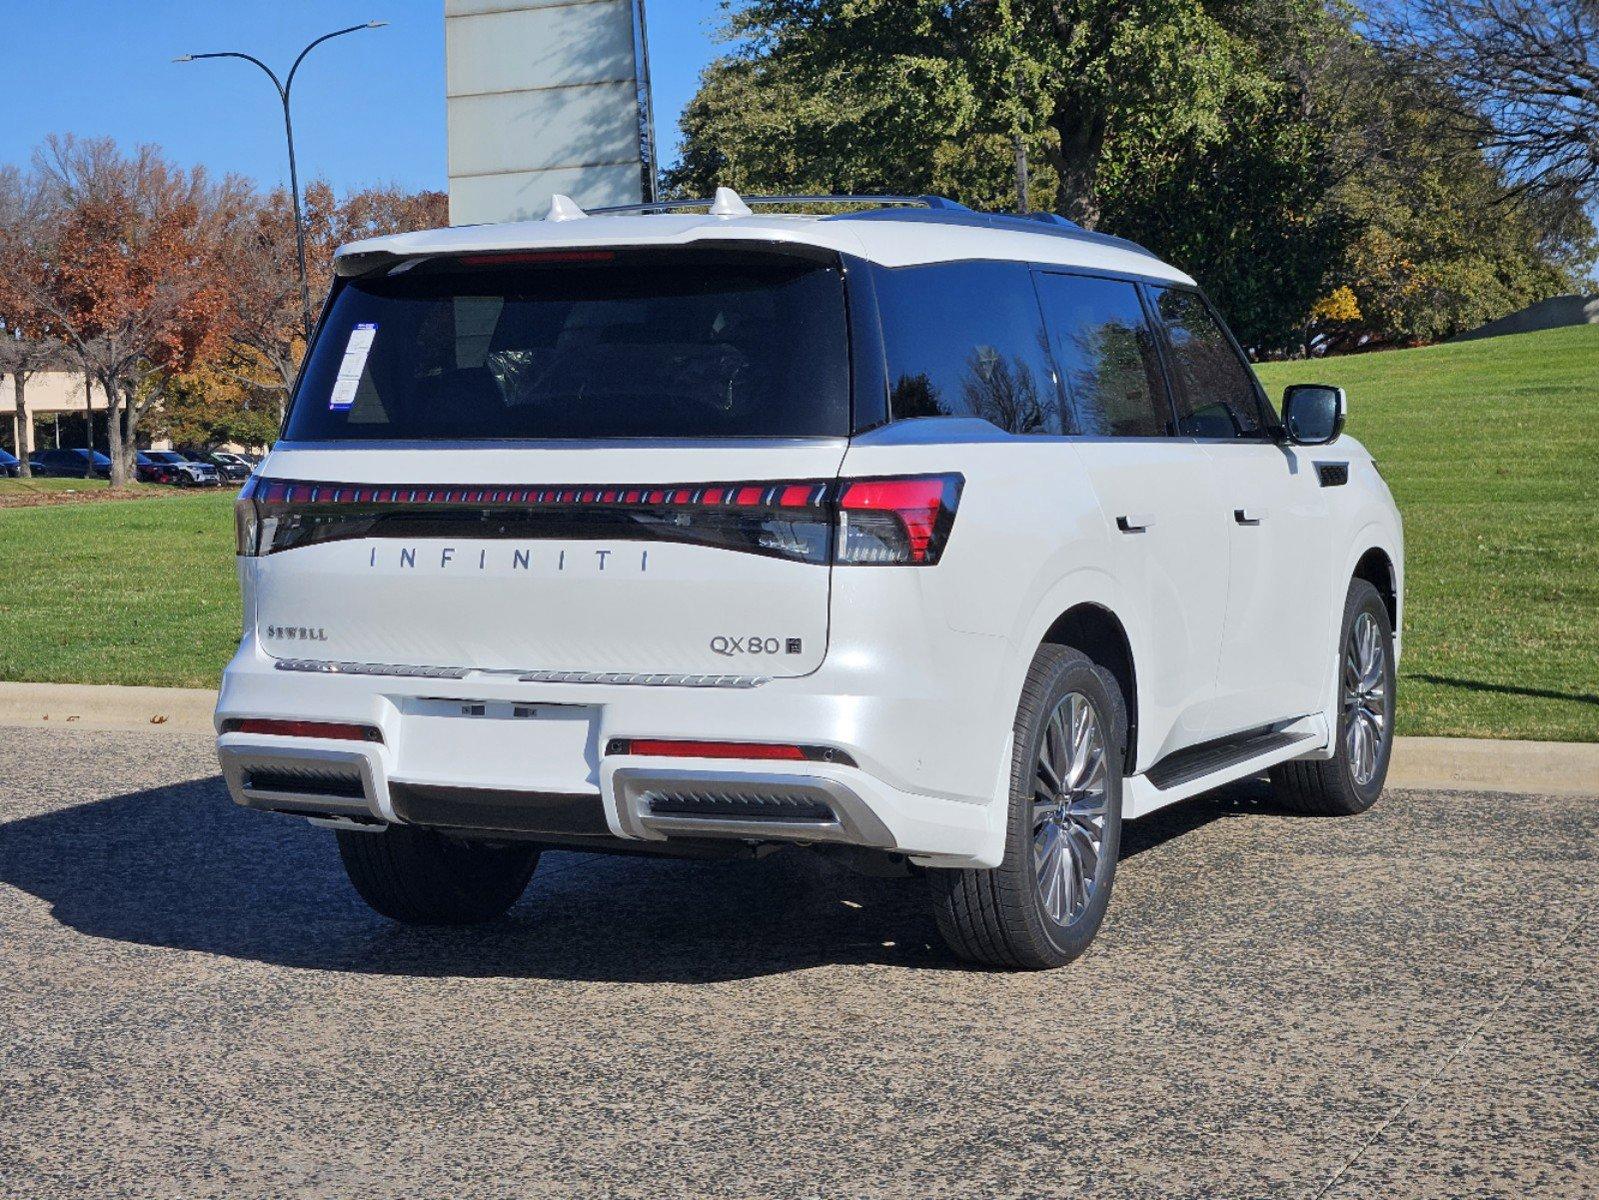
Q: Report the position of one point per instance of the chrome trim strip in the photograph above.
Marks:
(641, 680)
(352, 668)
(615, 678)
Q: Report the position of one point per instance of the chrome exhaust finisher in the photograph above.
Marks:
(658, 803)
(322, 783)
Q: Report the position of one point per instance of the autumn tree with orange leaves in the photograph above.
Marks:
(128, 270)
(266, 331)
(169, 289)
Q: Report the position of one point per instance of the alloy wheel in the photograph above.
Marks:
(1070, 800)
(1365, 698)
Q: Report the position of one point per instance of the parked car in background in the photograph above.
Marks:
(9, 464)
(151, 470)
(229, 466)
(185, 472)
(68, 464)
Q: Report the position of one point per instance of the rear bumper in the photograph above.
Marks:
(498, 777)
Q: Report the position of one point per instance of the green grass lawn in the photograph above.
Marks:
(23, 487)
(1491, 447)
(119, 591)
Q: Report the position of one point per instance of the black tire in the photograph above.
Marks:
(1329, 787)
(997, 917)
(423, 878)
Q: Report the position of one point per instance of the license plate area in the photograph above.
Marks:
(499, 744)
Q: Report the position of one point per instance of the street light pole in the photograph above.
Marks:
(284, 87)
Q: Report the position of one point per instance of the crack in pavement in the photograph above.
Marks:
(1448, 1060)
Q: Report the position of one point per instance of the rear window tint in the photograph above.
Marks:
(691, 346)
(965, 339)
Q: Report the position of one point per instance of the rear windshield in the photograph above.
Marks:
(610, 346)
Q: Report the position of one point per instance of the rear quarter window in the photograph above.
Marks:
(965, 339)
(1110, 369)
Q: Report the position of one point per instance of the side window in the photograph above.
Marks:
(1106, 354)
(1215, 389)
(965, 340)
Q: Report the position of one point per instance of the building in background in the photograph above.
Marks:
(56, 414)
(546, 96)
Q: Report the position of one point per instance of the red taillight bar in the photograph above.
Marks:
(335, 730)
(753, 494)
(902, 520)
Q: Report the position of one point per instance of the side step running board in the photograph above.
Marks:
(1209, 758)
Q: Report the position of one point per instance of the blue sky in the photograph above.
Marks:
(368, 108)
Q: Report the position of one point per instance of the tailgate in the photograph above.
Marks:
(698, 561)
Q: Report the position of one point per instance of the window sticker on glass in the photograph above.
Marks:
(354, 362)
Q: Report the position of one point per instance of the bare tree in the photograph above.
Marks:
(1526, 74)
(26, 346)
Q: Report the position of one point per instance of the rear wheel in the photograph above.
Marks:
(423, 878)
(1351, 780)
(1045, 901)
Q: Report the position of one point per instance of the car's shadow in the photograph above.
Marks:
(181, 866)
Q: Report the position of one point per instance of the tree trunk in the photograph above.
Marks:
(24, 425)
(113, 433)
(1082, 141)
(130, 437)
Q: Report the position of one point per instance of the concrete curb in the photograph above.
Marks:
(1450, 764)
(88, 706)
(1485, 765)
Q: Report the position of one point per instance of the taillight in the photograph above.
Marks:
(336, 730)
(898, 521)
(903, 520)
(247, 521)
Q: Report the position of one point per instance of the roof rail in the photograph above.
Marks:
(938, 210)
(931, 202)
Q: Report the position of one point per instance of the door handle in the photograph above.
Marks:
(1253, 515)
(1135, 522)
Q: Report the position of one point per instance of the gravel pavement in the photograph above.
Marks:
(193, 1003)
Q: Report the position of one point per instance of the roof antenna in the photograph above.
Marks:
(728, 203)
(563, 208)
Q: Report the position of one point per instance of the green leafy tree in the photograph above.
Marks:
(1163, 121)
(1268, 148)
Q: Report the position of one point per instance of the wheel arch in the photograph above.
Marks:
(1377, 569)
(1098, 632)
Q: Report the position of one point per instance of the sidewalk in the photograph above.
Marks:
(1453, 764)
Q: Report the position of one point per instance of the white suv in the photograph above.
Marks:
(936, 540)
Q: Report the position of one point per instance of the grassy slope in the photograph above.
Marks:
(1492, 450)
(121, 591)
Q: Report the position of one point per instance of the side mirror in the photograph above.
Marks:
(1314, 413)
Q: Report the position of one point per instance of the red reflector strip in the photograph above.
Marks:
(336, 730)
(675, 749)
